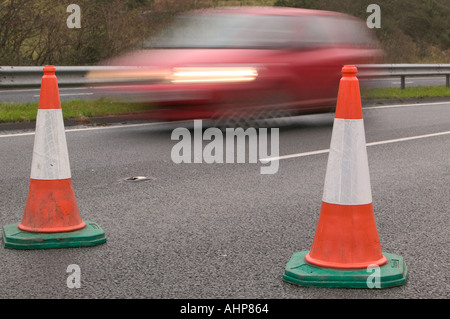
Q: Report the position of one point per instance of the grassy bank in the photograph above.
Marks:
(407, 93)
(81, 109)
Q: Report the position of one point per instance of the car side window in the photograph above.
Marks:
(266, 31)
(311, 32)
(348, 31)
(331, 30)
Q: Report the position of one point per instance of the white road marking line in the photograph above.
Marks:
(268, 159)
(20, 90)
(403, 105)
(68, 94)
(70, 130)
(32, 90)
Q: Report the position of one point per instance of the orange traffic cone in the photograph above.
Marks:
(51, 217)
(346, 241)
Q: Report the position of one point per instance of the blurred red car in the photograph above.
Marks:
(244, 61)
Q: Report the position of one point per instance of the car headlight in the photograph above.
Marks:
(213, 74)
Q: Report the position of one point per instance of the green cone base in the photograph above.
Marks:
(90, 235)
(299, 272)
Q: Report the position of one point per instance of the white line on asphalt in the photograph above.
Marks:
(114, 126)
(268, 159)
(73, 88)
(403, 105)
(32, 90)
(20, 90)
(67, 94)
(107, 87)
(96, 128)
(17, 134)
(75, 94)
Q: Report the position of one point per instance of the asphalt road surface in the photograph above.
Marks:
(200, 231)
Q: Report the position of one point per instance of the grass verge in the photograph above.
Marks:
(79, 109)
(407, 93)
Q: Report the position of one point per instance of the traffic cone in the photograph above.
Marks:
(51, 217)
(346, 250)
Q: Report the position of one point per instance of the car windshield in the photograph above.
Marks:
(225, 31)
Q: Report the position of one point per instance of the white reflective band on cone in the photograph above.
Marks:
(347, 180)
(50, 155)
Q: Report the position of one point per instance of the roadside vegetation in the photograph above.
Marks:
(411, 92)
(412, 31)
(33, 32)
(76, 109)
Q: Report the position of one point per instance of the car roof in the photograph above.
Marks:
(268, 11)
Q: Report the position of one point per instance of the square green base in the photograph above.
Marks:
(90, 235)
(299, 272)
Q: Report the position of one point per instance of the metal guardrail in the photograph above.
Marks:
(30, 76)
(404, 70)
